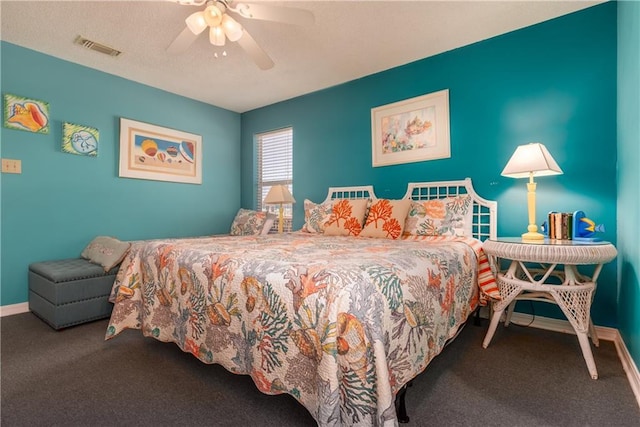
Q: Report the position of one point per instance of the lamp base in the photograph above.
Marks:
(532, 235)
(281, 220)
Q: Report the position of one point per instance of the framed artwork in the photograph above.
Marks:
(413, 130)
(157, 153)
(26, 114)
(79, 139)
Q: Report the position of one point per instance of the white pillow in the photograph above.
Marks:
(268, 223)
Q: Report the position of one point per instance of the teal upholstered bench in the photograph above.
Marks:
(69, 292)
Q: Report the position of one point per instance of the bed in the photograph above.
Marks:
(341, 323)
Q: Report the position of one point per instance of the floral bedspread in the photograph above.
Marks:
(340, 323)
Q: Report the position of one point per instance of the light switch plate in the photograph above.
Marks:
(11, 166)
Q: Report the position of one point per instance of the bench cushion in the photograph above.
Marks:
(68, 269)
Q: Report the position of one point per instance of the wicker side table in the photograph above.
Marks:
(571, 290)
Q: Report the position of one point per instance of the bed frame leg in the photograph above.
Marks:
(476, 319)
(401, 407)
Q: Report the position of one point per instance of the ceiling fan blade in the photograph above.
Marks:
(190, 2)
(182, 42)
(287, 15)
(256, 53)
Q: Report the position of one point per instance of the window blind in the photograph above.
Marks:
(275, 167)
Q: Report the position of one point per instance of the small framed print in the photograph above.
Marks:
(27, 114)
(80, 140)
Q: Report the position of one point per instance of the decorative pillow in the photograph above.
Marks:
(106, 251)
(347, 217)
(248, 222)
(451, 216)
(386, 219)
(315, 216)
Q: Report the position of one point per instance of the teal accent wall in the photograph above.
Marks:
(629, 174)
(62, 201)
(554, 82)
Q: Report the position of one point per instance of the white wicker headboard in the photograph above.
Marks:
(485, 212)
(356, 192)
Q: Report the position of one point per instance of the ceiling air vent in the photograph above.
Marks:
(88, 44)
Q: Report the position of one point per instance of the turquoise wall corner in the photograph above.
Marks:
(629, 175)
(61, 201)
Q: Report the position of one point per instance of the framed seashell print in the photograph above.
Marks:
(31, 115)
(413, 130)
(153, 152)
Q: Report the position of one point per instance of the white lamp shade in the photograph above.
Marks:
(232, 28)
(531, 158)
(278, 194)
(216, 36)
(196, 22)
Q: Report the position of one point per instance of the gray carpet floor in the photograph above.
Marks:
(527, 377)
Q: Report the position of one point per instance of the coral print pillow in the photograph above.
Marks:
(346, 218)
(440, 217)
(386, 219)
(315, 216)
(248, 222)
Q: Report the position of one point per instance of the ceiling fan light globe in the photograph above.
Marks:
(196, 23)
(212, 16)
(216, 36)
(232, 28)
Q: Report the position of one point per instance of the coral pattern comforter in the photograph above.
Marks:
(340, 323)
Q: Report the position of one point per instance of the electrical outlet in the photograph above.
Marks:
(11, 166)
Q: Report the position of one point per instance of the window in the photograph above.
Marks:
(275, 167)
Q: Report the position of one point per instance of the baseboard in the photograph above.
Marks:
(629, 365)
(604, 333)
(556, 325)
(559, 325)
(8, 310)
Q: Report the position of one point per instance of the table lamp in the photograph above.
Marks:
(278, 195)
(527, 161)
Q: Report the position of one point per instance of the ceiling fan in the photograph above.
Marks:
(222, 26)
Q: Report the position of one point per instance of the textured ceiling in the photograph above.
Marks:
(349, 39)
